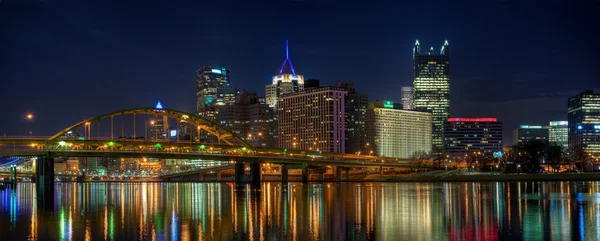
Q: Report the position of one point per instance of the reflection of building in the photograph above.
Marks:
(250, 119)
(159, 127)
(313, 120)
(397, 133)
(558, 133)
(284, 81)
(356, 110)
(527, 133)
(407, 98)
(213, 90)
(584, 122)
(432, 88)
(468, 135)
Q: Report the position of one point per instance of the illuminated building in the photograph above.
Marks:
(527, 133)
(432, 88)
(251, 119)
(356, 111)
(284, 81)
(397, 133)
(558, 133)
(159, 127)
(213, 90)
(407, 98)
(313, 120)
(584, 122)
(468, 135)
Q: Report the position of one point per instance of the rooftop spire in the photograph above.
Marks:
(287, 67)
(417, 43)
(287, 50)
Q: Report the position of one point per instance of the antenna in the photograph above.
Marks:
(287, 52)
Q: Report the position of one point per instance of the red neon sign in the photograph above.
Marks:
(458, 119)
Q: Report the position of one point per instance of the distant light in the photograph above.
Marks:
(597, 127)
(159, 105)
(202, 147)
(216, 71)
(579, 127)
(388, 104)
(559, 123)
(531, 127)
(62, 143)
(111, 144)
(459, 119)
(173, 133)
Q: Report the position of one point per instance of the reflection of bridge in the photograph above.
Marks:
(227, 147)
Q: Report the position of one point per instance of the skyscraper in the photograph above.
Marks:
(356, 110)
(250, 119)
(213, 90)
(284, 81)
(313, 120)
(397, 133)
(469, 135)
(558, 133)
(432, 88)
(160, 126)
(584, 122)
(527, 133)
(407, 98)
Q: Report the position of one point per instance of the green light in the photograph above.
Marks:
(244, 148)
(111, 143)
(388, 104)
(202, 147)
(158, 145)
(62, 143)
(285, 150)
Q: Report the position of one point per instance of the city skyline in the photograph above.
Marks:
(85, 62)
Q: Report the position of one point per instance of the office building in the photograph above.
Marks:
(527, 133)
(407, 98)
(159, 127)
(397, 133)
(285, 81)
(313, 120)
(251, 119)
(432, 88)
(213, 90)
(584, 122)
(465, 136)
(558, 133)
(356, 112)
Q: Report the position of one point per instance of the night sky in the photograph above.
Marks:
(65, 61)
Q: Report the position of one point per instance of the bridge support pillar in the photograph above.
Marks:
(255, 172)
(338, 174)
(13, 175)
(284, 173)
(44, 177)
(380, 171)
(347, 174)
(305, 173)
(219, 176)
(239, 172)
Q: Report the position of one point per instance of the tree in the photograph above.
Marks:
(554, 155)
(581, 159)
(530, 154)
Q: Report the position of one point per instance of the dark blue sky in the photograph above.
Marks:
(69, 60)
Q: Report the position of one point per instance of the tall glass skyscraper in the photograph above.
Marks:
(213, 89)
(432, 88)
(285, 81)
(584, 122)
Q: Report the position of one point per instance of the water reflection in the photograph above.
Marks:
(329, 211)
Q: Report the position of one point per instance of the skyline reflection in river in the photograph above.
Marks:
(295, 211)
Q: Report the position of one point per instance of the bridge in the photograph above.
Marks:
(223, 146)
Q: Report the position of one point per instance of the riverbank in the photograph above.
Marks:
(462, 176)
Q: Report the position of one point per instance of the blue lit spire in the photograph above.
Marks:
(287, 67)
(158, 105)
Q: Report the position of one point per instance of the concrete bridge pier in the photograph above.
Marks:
(255, 172)
(13, 175)
(305, 173)
(239, 172)
(44, 177)
(284, 173)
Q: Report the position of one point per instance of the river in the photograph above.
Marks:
(296, 211)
